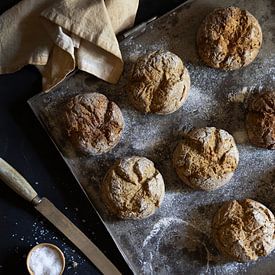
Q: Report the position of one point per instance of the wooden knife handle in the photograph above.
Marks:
(16, 182)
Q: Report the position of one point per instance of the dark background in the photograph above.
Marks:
(25, 145)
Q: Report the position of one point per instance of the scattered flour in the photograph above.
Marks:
(161, 225)
(216, 99)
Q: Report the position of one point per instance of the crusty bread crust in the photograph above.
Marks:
(229, 38)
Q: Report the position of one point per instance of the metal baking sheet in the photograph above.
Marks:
(177, 239)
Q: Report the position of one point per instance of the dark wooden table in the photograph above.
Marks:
(26, 146)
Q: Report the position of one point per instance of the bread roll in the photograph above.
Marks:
(260, 119)
(133, 188)
(244, 230)
(206, 158)
(159, 83)
(229, 38)
(93, 123)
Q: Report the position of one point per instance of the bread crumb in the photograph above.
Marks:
(238, 97)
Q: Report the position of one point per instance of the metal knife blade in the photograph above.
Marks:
(20, 185)
(78, 238)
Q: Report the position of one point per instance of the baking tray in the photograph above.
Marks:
(177, 239)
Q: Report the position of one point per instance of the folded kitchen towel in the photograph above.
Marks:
(58, 36)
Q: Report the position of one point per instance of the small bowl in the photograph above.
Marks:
(52, 246)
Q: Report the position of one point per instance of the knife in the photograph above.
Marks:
(16, 182)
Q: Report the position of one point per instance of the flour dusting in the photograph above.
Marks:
(177, 238)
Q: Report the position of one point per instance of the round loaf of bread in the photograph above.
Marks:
(244, 230)
(159, 83)
(206, 158)
(133, 188)
(93, 123)
(229, 38)
(260, 119)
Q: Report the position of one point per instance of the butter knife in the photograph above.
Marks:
(16, 182)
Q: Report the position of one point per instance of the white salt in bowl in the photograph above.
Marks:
(45, 247)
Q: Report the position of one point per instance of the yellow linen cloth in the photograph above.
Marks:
(58, 36)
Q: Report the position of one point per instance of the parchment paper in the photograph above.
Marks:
(177, 239)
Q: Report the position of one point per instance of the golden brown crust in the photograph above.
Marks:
(133, 188)
(159, 83)
(244, 230)
(93, 123)
(206, 159)
(260, 119)
(229, 38)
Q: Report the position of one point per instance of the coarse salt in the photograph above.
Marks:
(45, 261)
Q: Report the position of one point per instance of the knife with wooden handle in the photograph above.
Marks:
(16, 182)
